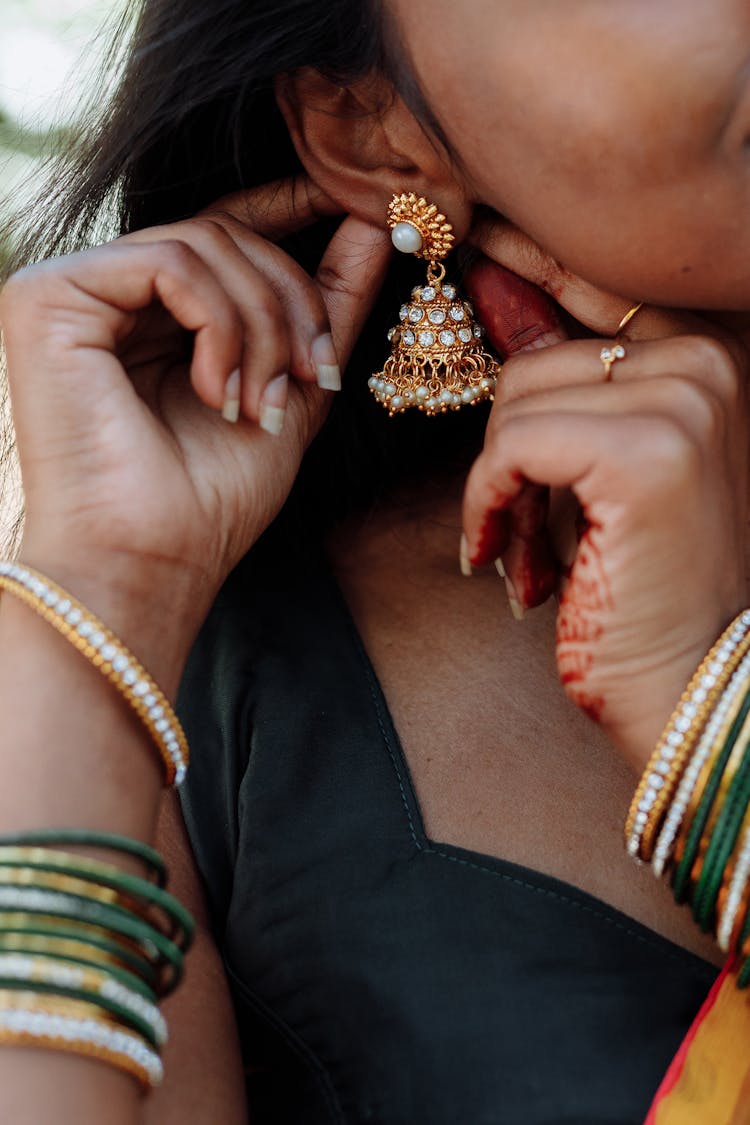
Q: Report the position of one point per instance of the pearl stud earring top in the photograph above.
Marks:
(418, 227)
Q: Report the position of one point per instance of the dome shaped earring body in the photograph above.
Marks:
(437, 361)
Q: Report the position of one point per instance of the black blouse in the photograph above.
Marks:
(380, 976)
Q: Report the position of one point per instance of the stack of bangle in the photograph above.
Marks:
(690, 816)
(87, 949)
(107, 653)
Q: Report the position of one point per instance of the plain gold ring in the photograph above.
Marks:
(628, 317)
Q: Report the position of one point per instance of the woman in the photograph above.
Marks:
(442, 927)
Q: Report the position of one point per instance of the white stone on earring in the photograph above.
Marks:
(406, 238)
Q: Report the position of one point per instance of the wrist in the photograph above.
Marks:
(645, 706)
(154, 607)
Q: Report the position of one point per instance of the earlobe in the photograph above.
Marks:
(363, 145)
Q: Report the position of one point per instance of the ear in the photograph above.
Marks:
(363, 145)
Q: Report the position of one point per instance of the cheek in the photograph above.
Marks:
(631, 207)
(605, 153)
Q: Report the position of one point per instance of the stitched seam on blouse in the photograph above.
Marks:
(431, 849)
(566, 900)
(381, 724)
(297, 1045)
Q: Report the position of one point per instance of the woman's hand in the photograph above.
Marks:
(657, 459)
(121, 360)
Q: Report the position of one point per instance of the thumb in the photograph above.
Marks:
(350, 275)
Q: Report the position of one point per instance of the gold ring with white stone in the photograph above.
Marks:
(609, 356)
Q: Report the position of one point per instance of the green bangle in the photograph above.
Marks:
(743, 977)
(16, 926)
(681, 877)
(158, 949)
(109, 841)
(180, 928)
(721, 845)
(123, 1015)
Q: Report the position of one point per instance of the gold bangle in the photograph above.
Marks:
(667, 764)
(107, 653)
(52, 881)
(60, 948)
(11, 917)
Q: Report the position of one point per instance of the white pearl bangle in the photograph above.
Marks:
(122, 1049)
(116, 663)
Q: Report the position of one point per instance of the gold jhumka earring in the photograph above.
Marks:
(437, 362)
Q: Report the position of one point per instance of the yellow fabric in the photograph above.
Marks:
(709, 1081)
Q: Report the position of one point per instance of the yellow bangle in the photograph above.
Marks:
(107, 653)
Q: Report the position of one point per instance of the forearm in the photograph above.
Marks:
(74, 755)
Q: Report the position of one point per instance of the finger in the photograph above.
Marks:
(573, 451)
(516, 314)
(99, 290)
(519, 317)
(528, 563)
(279, 208)
(579, 363)
(266, 334)
(302, 303)
(350, 275)
(593, 307)
(687, 403)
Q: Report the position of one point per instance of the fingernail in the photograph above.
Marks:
(463, 555)
(515, 606)
(230, 411)
(326, 363)
(273, 405)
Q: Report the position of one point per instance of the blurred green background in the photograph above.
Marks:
(50, 58)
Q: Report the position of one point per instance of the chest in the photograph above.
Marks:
(501, 762)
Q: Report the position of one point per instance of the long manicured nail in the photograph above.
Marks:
(230, 411)
(463, 558)
(515, 606)
(326, 363)
(273, 405)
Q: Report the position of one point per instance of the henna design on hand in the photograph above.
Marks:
(583, 609)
